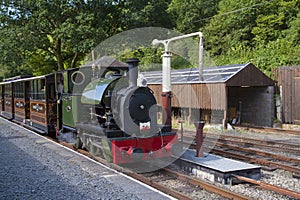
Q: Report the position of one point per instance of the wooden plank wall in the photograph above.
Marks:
(289, 84)
(202, 96)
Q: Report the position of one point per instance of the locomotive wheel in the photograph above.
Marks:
(93, 149)
(106, 149)
(78, 143)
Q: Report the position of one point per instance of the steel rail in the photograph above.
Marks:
(254, 141)
(206, 186)
(268, 142)
(269, 130)
(270, 187)
(253, 144)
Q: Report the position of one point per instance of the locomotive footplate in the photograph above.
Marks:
(117, 147)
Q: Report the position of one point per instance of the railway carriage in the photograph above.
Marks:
(42, 104)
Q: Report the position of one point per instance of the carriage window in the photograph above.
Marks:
(8, 90)
(37, 89)
(19, 89)
(51, 89)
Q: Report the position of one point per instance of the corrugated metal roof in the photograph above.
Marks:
(216, 74)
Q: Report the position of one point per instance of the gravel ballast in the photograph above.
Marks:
(35, 168)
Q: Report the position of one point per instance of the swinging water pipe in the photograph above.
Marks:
(166, 72)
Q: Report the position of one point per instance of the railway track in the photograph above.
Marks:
(268, 130)
(270, 187)
(187, 184)
(193, 184)
(159, 178)
(253, 151)
(240, 148)
(256, 142)
(249, 142)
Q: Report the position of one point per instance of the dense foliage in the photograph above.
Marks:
(41, 36)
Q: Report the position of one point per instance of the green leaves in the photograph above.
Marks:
(42, 36)
(265, 33)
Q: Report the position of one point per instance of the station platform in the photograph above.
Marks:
(33, 167)
(216, 168)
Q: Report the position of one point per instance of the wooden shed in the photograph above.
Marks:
(239, 94)
(288, 100)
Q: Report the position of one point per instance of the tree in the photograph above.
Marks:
(147, 13)
(63, 30)
(233, 25)
(192, 15)
(293, 33)
(270, 25)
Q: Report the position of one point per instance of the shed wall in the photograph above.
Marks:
(289, 83)
(202, 96)
(255, 104)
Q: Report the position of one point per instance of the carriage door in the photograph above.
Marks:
(8, 101)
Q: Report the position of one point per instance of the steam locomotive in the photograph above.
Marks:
(98, 107)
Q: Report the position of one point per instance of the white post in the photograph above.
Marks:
(201, 57)
(166, 65)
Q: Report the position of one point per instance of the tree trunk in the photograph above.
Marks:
(60, 63)
(74, 60)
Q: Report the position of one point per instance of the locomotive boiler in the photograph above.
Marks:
(119, 119)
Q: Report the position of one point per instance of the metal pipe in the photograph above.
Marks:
(166, 42)
(167, 109)
(199, 137)
(133, 71)
(166, 65)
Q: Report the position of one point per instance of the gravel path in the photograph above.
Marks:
(35, 168)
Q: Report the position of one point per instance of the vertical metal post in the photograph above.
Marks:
(201, 57)
(166, 90)
(181, 121)
(199, 137)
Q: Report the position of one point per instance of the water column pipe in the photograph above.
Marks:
(166, 68)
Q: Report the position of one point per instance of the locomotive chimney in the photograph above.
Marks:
(133, 71)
